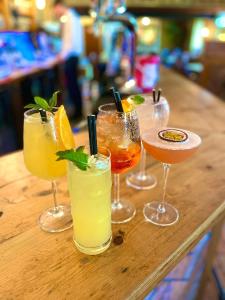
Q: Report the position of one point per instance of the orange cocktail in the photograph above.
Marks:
(169, 146)
(124, 159)
(119, 132)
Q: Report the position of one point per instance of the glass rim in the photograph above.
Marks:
(149, 96)
(29, 113)
(177, 146)
(101, 110)
(106, 158)
(105, 149)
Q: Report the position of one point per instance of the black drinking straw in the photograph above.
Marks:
(159, 95)
(154, 95)
(43, 114)
(117, 98)
(92, 134)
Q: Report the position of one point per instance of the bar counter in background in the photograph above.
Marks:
(28, 66)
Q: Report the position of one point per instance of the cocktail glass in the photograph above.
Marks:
(41, 142)
(90, 194)
(150, 115)
(119, 132)
(169, 146)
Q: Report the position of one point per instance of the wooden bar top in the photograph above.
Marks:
(39, 265)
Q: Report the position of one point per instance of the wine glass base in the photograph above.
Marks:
(152, 214)
(56, 219)
(122, 212)
(141, 182)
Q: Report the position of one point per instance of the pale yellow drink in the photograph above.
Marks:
(40, 145)
(90, 194)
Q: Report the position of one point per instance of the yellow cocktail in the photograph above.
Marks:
(90, 194)
(40, 145)
(44, 135)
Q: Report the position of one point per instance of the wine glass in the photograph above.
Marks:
(119, 132)
(169, 146)
(150, 114)
(41, 142)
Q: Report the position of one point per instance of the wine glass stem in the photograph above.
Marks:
(166, 169)
(116, 188)
(54, 190)
(143, 162)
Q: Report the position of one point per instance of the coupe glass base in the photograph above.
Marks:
(153, 214)
(56, 219)
(139, 181)
(123, 211)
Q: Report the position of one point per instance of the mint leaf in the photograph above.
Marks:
(81, 160)
(53, 100)
(42, 103)
(32, 105)
(67, 154)
(78, 157)
(137, 99)
(80, 149)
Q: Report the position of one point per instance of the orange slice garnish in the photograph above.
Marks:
(63, 129)
(127, 106)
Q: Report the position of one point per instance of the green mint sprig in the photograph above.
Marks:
(46, 105)
(138, 99)
(78, 157)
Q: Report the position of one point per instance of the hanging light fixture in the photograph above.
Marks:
(220, 20)
(41, 4)
(145, 21)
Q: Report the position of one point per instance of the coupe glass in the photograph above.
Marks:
(40, 145)
(119, 132)
(168, 152)
(150, 115)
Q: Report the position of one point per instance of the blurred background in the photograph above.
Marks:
(124, 44)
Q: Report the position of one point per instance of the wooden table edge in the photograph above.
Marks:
(151, 281)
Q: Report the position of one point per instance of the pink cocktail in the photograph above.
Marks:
(169, 146)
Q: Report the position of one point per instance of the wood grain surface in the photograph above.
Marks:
(39, 265)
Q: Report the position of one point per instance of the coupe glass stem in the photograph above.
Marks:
(54, 190)
(116, 189)
(142, 171)
(166, 169)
